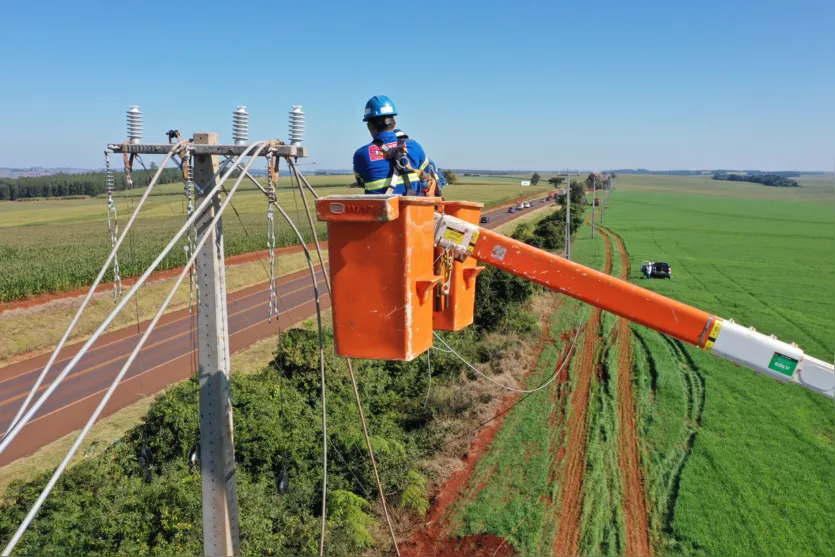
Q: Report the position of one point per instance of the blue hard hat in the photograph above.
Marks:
(378, 105)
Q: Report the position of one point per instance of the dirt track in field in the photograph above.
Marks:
(433, 540)
(635, 509)
(567, 541)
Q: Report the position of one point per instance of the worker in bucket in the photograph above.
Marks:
(390, 164)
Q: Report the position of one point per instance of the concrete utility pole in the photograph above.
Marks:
(605, 198)
(568, 215)
(593, 199)
(217, 450)
(605, 203)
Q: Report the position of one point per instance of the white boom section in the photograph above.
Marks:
(767, 355)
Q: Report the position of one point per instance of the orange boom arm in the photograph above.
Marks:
(616, 296)
(723, 338)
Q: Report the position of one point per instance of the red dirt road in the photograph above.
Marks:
(166, 359)
(481, 545)
(432, 540)
(635, 509)
(567, 541)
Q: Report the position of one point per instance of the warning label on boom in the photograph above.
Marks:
(783, 364)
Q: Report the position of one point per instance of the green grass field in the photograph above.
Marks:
(57, 245)
(733, 463)
(736, 463)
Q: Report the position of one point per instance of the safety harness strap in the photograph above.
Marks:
(400, 167)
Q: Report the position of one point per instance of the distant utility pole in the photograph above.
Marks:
(605, 198)
(593, 202)
(217, 450)
(568, 215)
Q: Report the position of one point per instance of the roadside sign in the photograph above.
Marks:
(526, 182)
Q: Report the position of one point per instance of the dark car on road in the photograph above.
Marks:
(484, 219)
(511, 209)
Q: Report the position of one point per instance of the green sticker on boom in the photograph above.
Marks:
(783, 364)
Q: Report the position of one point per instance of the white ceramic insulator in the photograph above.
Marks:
(240, 126)
(296, 125)
(134, 124)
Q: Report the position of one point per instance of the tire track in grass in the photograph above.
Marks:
(694, 384)
(635, 519)
(567, 541)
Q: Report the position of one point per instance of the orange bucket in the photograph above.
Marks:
(380, 252)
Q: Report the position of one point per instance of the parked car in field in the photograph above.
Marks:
(656, 269)
(485, 219)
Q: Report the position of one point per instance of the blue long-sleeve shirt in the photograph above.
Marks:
(376, 174)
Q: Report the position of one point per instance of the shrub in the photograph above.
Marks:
(414, 496)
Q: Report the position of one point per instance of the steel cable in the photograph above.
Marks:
(87, 299)
(299, 178)
(15, 430)
(321, 368)
(505, 387)
(115, 383)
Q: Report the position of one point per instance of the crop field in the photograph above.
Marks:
(814, 187)
(734, 459)
(646, 445)
(59, 245)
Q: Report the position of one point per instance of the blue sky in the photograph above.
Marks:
(592, 85)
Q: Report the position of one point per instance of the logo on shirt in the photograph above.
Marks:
(375, 153)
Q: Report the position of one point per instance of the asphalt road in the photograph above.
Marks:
(168, 356)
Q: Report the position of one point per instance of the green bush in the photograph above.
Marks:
(347, 513)
(414, 497)
(497, 294)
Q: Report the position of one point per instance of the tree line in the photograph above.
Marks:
(88, 184)
(765, 179)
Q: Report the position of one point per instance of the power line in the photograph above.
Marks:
(115, 383)
(505, 387)
(14, 427)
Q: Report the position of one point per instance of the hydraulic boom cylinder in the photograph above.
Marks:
(763, 353)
